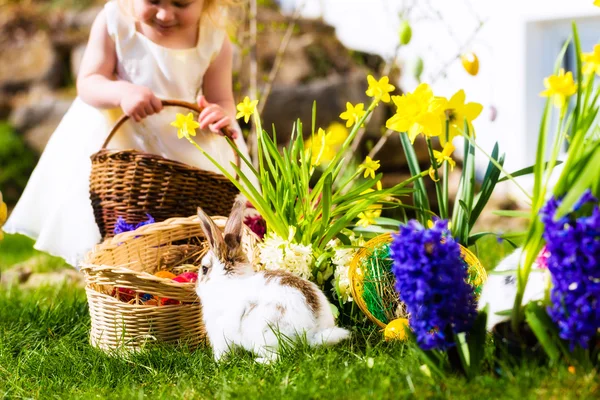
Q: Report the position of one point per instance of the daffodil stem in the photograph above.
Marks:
(497, 165)
(438, 189)
(446, 172)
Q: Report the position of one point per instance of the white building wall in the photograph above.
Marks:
(516, 46)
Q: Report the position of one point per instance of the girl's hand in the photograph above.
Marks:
(138, 102)
(213, 116)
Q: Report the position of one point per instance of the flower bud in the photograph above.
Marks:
(405, 33)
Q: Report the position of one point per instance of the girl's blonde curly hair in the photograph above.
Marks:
(214, 9)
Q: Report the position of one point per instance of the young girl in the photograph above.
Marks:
(139, 51)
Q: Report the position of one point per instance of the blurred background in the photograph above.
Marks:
(292, 52)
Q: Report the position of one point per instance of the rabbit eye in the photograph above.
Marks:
(204, 270)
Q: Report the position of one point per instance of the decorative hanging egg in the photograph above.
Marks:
(470, 63)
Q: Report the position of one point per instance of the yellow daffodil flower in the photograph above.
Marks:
(444, 155)
(457, 112)
(246, 108)
(418, 113)
(432, 174)
(336, 134)
(380, 90)
(370, 166)
(368, 216)
(597, 3)
(186, 125)
(559, 87)
(325, 145)
(353, 114)
(592, 60)
(3, 215)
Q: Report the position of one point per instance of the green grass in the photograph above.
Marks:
(15, 249)
(44, 353)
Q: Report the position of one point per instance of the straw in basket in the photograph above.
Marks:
(131, 184)
(372, 281)
(129, 261)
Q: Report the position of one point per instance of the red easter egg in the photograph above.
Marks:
(186, 277)
(124, 294)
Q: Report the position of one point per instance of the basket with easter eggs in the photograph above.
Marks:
(140, 285)
(373, 285)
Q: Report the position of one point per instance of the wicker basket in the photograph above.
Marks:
(129, 261)
(357, 273)
(131, 184)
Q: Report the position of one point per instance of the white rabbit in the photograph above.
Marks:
(500, 290)
(251, 309)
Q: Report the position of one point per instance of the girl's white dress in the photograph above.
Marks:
(55, 207)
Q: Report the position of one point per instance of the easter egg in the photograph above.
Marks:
(405, 33)
(470, 63)
(124, 294)
(163, 301)
(165, 274)
(186, 277)
(397, 330)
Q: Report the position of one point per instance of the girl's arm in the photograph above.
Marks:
(97, 84)
(218, 92)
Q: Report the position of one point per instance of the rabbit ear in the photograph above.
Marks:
(211, 231)
(235, 222)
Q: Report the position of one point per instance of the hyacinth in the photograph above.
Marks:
(276, 253)
(431, 278)
(573, 243)
(122, 225)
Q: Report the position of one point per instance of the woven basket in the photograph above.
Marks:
(129, 261)
(356, 274)
(131, 184)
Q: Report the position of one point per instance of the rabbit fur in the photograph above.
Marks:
(500, 290)
(251, 309)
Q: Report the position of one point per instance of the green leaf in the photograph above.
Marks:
(476, 342)
(541, 326)
(421, 200)
(512, 213)
(526, 171)
(326, 199)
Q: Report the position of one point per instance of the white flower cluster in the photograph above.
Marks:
(342, 257)
(278, 253)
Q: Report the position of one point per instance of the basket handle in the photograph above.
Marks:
(227, 131)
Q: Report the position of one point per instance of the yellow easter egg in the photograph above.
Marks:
(397, 330)
(470, 63)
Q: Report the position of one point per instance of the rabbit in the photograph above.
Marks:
(247, 308)
(500, 290)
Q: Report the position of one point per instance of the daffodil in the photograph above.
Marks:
(559, 87)
(592, 60)
(418, 113)
(444, 155)
(368, 216)
(458, 112)
(336, 134)
(370, 166)
(325, 145)
(3, 215)
(597, 3)
(246, 108)
(380, 90)
(353, 114)
(186, 125)
(432, 174)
